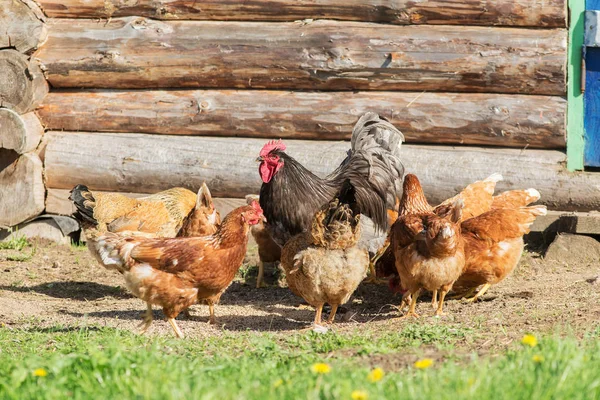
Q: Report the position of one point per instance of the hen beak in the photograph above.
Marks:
(259, 159)
(263, 218)
(421, 235)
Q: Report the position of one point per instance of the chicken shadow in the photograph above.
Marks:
(74, 290)
(228, 322)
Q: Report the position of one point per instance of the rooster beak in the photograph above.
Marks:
(259, 159)
(264, 219)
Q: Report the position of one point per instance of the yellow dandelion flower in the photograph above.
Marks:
(321, 368)
(278, 383)
(424, 363)
(40, 372)
(375, 375)
(529, 340)
(359, 395)
(537, 358)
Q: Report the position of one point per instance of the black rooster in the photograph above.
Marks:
(291, 195)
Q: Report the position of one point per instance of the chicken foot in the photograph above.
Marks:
(479, 294)
(145, 324)
(413, 304)
(462, 295)
(334, 308)
(175, 327)
(211, 311)
(372, 278)
(440, 307)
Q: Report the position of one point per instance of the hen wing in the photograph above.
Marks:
(502, 224)
(477, 197)
(515, 198)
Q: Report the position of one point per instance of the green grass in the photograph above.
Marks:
(106, 363)
(16, 242)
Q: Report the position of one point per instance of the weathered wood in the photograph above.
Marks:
(21, 25)
(57, 202)
(481, 119)
(141, 53)
(586, 223)
(148, 163)
(21, 133)
(21, 187)
(403, 12)
(22, 83)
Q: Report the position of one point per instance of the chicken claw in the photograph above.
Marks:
(413, 304)
(479, 294)
(334, 308)
(439, 311)
(145, 324)
(178, 332)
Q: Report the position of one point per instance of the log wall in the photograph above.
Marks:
(22, 88)
(150, 94)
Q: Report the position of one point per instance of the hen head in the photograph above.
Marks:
(413, 199)
(270, 161)
(253, 214)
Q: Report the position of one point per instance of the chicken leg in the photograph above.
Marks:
(178, 332)
(372, 278)
(260, 282)
(434, 299)
(318, 314)
(479, 294)
(440, 307)
(462, 295)
(211, 311)
(413, 304)
(334, 308)
(145, 324)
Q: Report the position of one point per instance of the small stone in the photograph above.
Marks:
(55, 264)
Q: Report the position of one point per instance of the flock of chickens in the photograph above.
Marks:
(174, 251)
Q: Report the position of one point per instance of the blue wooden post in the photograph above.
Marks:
(592, 86)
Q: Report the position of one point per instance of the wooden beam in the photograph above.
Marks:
(148, 163)
(22, 188)
(479, 119)
(550, 13)
(585, 223)
(21, 25)
(575, 132)
(21, 133)
(57, 202)
(142, 53)
(22, 83)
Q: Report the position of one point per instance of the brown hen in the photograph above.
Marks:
(175, 273)
(324, 265)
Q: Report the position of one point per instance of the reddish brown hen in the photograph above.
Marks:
(176, 273)
(494, 242)
(428, 249)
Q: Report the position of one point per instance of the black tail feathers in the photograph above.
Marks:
(83, 200)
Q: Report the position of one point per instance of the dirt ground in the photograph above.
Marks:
(62, 285)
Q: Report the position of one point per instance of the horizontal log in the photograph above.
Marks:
(550, 13)
(57, 202)
(141, 53)
(22, 83)
(148, 163)
(21, 25)
(22, 188)
(21, 133)
(480, 119)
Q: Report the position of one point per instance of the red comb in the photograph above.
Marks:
(256, 207)
(272, 145)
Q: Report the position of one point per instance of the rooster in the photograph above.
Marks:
(324, 265)
(176, 273)
(291, 195)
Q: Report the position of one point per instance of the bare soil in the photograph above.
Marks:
(62, 285)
